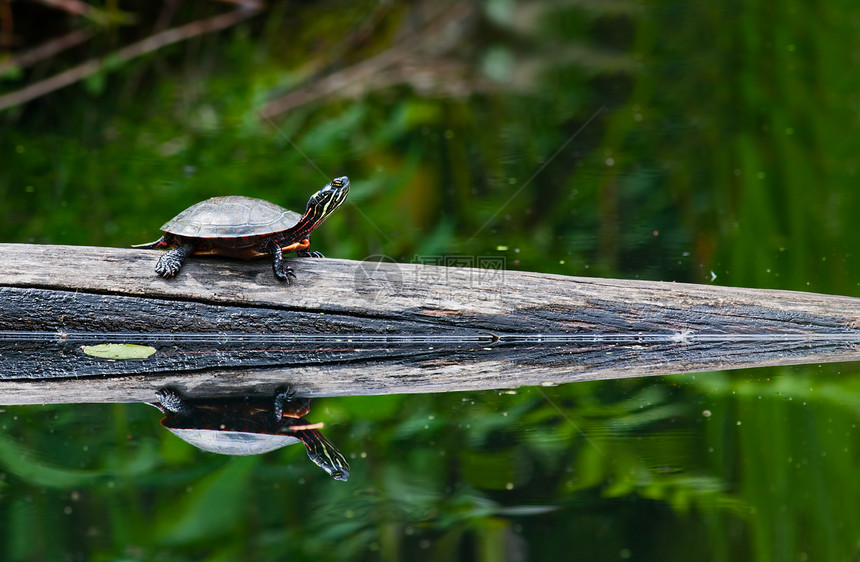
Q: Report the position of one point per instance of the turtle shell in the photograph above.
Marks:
(233, 216)
(233, 442)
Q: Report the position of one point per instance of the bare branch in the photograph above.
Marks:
(354, 78)
(97, 15)
(46, 50)
(148, 45)
(74, 7)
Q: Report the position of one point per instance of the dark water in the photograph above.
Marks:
(700, 142)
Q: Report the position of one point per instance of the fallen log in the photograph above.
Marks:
(356, 328)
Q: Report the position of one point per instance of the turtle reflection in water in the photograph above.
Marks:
(249, 426)
(244, 227)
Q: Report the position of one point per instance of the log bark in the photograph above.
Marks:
(352, 328)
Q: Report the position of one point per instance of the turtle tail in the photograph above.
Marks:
(160, 243)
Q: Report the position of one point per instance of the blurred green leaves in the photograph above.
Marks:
(211, 507)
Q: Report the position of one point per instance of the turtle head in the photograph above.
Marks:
(326, 200)
(323, 453)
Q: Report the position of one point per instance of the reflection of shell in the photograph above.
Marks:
(233, 442)
(231, 217)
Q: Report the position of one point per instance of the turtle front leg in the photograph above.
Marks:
(171, 262)
(282, 271)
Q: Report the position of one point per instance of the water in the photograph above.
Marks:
(672, 141)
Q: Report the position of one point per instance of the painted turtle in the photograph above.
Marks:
(249, 426)
(244, 227)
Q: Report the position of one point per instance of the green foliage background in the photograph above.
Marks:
(723, 142)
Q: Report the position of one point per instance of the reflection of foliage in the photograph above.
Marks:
(466, 473)
(447, 476)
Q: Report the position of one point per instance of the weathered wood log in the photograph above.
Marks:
(352, 328)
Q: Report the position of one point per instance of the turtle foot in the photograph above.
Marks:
(167, 267)
(285, 392)
(170, 400)
(310, 254)
(282, 270)
(287, 405)
(170, 263)
(285, 274)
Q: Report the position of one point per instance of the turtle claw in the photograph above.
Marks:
(170, 263)
(285, 392)
(283, 395)
(166, 267)
(313, 254)
(285, 274)
(287, 405)
(282, 270)
(170, 400)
